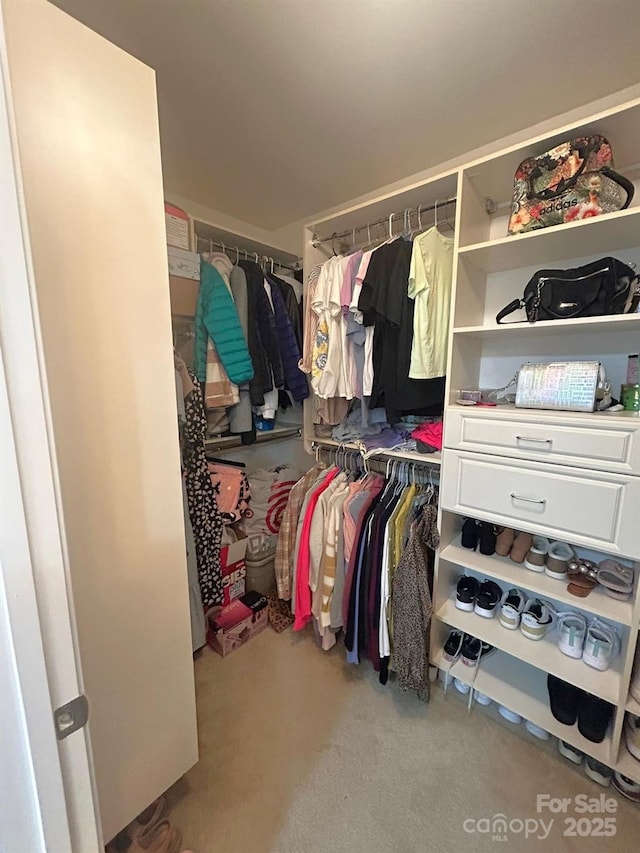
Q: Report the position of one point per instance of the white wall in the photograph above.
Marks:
(544, 127)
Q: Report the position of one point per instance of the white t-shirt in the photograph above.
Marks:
(430, 278)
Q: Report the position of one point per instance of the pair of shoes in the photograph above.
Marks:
(615, 579)
(596, 642)
(464, 647)
(627, 787)
(583, 577)
(632, 734)
(569, 704)
(480, 534)
(513, 544)
(481, 598)
(552, 558)
(470, 650)
(533, 616)
(595, 770)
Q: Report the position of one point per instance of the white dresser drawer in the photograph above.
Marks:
(592, 441)
(596, 509)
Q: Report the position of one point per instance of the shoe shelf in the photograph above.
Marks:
(627, 764)
(508, 573)
(523, 688)
(543, 654)
(633, 706)
(601, 235)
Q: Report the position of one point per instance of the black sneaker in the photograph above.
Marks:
(564, 699)
(597, 771)
(475, 650)
(594, 716)
(466, 592)
(453, 646)
(567, 751)
(487, 538)
(487, 599)
(470, 534)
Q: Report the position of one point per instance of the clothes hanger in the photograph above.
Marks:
(237, 255)
(451, 224)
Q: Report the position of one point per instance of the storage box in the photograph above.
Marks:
(234, 570)
(184, 264)
(177, 225)
(184, 295)
(234, 625)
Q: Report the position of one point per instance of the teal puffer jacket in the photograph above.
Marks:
(217, 318)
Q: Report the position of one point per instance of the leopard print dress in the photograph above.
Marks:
(411, 604)
(201, 497)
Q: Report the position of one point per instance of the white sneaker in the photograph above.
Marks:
(511, 607)
(536, 731)
(632, 735)
(537, 555)
(601, 645)
(537, 618)
(509, 715)
(461, 686)
(572, 628)
(482, 698)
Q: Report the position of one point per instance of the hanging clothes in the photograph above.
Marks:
(206, 520)
(217, 318)
(430, 279)
(412, 605)
(362, 563)
(263, 336)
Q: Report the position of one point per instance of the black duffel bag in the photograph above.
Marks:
(605, 286)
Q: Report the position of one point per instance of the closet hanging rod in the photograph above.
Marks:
(351, 232)
(246, 253)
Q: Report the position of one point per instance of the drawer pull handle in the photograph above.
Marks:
(537, 440)
(529, 500)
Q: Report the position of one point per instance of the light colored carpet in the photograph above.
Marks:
(301, 753)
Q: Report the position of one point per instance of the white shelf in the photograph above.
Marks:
(228, 442)
(509, 410)
(523, 688)
(615, 323)
(407, 455)
(600, 235)
(506, 571)
(542, 654)
(626, 763)
(633, 706)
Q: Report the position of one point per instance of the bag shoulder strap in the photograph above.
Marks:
(509, 309)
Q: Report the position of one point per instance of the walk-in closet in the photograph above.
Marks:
(319, 426)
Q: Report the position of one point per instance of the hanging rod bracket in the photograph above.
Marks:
(490, 206)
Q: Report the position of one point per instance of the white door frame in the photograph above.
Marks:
(35, 594)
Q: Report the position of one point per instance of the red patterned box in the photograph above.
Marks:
(234, 570)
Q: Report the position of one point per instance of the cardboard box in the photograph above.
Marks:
(234, 625)
(184, 264)
(177, 225)
(183, 295)
(234, 570)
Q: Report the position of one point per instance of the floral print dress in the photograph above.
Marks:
(201, 497)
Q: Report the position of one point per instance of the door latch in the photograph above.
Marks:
(71, 717)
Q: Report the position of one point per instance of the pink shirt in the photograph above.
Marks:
(303, 592)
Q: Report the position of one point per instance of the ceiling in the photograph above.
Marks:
(273, 110)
